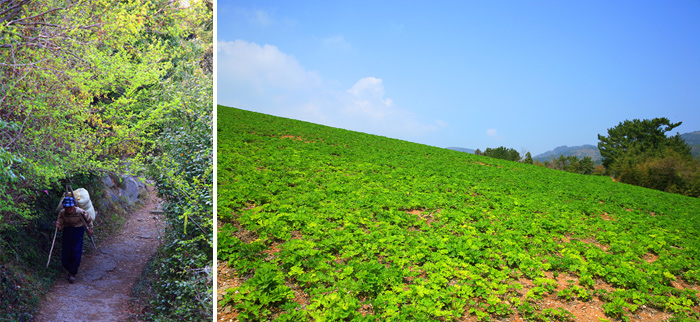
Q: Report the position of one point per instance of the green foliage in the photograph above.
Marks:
(24, 247)
(89, 117)
(184, 174)
(502, 153)
(355, 221)
(571, 164)
(265, 289)
(640, 137)
(639, 153)
(114, 87)
(585, 165)
(528, 158)
(693, 141)
(74, 97)
(667, 171)
(547, 315)
(542, 286)
(573, 291)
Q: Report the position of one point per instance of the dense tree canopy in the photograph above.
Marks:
(571, 164)
(639, 136)
(639, 152)
(502, 152)
(76, 76)
(81, 85)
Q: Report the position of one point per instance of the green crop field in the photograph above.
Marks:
(324, 224)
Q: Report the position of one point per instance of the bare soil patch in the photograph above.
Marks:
(227, 279)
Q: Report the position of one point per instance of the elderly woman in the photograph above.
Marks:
(72, 221)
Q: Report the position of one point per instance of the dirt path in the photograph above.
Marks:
(104, 280)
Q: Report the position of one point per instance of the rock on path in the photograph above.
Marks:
(104, 280)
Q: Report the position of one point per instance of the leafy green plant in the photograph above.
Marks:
(255, 297)
(574, 292)
(618, 309)
(542, 286)
(426, 233)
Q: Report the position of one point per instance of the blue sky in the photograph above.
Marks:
(528, 75)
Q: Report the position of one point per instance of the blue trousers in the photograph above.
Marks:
(72, 248)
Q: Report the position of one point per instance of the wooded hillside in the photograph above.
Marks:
(96, 87)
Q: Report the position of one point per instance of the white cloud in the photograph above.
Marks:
(265, 79)
(367, 99)
(263, 67)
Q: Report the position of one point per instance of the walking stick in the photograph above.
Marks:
(86, 227)
(55, 232)
(53, 243)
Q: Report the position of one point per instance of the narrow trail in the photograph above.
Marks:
(104, 280)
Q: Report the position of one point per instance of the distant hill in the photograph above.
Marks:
(693, 139)
(579, 151)
(462, 149)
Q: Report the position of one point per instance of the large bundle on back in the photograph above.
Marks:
(82, 197)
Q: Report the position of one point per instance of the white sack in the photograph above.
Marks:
(82, 197)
